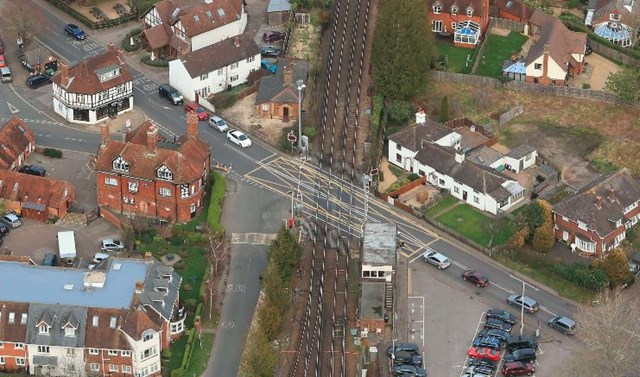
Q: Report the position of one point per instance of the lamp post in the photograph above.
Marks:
(291, 192)
(301, 86)
(524, 284)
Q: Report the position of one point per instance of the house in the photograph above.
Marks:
(557, 55)
(520, 158)
(467, 20)
(595, 219)
(173, 28)
(278, 12)
(215, 68)
(617, 21)
(76, 322)
(537, 22)
(94, 89)
(514, 10)
(38, 198)
(144, 176)
(379, 249)
(277, 95)
(17, 142)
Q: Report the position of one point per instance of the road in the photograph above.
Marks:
(343, 204)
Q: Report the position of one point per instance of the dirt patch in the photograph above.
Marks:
(597, 69)
(500, 32)
(387, 174)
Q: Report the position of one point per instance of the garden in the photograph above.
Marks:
(455, 59)
(497, 49)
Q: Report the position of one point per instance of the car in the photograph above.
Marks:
(525, 355)
(3, 61)
(270, 51)
(633, 267)
(111, 244)
(409, 369)
(11, 220)
(269, 66)
(530, 305)
(488, 342)
(406, 357)
(171, 94)
(218, 123)
(515, 342)
(485, 370)
(436, 259)
(494, 323)
(238, 138)
(518, 368)
(502, 315)
(1, 47)
(497, 333)
(475, 277)
(37, 81)
(99, 257)
(587, 48)
(484, 353)
(33, 170)
(482, 362)
(403, 347)
(75, 31)
(201, 113)
(4, 229)
(272, 36)
(49, 259)
(563, 324)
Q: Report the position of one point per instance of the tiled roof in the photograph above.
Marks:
(15, 136)
(582, 205)
(157, 36)
(561, 42)
(105, 336)
(139, 135)
(540, 18)
(219, 55)
(27, 188)
(136, 322)
(202, 16)
(604, 9)
(520, 151)
(515, 7)
(16, 331)
(56, 315)
(412, 137)
(484, 156)
(164, 303)
(83, 79)
(476, 5)
(272, 89)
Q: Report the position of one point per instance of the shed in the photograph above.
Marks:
(378, 250)
(278, 12)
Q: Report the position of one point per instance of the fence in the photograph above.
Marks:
(481, 49)
(94, 24)
(614, 54)
(511, 113)
(503, 23)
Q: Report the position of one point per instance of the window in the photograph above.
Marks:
(249, 60)
(537, 66)
(165, 191)
(19, 346)
(125, 353)
(71, 351)
(399, 147)
(456, 189)
(437, 9)
(1, 345)
(20, 361)
(113, 368)
(69, 331)
(96, 321)
(204, 77)
(23, 320)
(614, 17)
(421, 172)
(43, 349)
(164, 173)
(234, 65)
(453, 26)
(399, 158)
(112, 322)
(469, 12)
(93, 351)
(110, 181)
(441, 182)
(147, 337)
(582, 225)
(113, 353)
(126, 369)
(12, 317)
(133, 186)
(219, 72)
(436, 26)
(120, 164)
(184, 191)
(265, 107)
(44, 329)
(70, 368)
(193, 207)
(454, 11)
(565, 218)
(1, 359)
(476, 200)
(95, 367)
(233, 78)
(148, 353)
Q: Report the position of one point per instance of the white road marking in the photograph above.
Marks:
(12, 108)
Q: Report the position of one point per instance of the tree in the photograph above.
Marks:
(534, 216)
(270, 320)
(285, 252)
(616, 267)
(403, 49)
(262, 358)
(625, 83)
(444, 109)
(275, 289)
(543, 238)
(23, 19)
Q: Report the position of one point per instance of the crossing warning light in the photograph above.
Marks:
(290, 222)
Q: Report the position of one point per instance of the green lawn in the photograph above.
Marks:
(456, 57)
(200, 356)
(471, 223)
(447, 201)
(177, 353)
(497, 49)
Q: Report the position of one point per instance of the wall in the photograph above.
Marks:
(410, 186)
(219, 34)
(405, 154)
(614, 54)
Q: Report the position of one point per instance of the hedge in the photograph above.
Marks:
(161, 63)
(52, 152)
(188, 349)
(136, 43)
(218, 189)
(581, 274)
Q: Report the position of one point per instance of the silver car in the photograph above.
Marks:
(530, 305)
(112, 245)
(436, 259)
(218, 123)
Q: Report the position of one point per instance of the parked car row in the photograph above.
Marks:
(405, 360)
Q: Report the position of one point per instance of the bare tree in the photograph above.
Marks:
(23, 18)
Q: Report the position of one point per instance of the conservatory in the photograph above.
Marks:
(468, 32)
(616, 32)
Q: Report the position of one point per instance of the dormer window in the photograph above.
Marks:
(120, 164)
(112, 322)
(43, 329)
(437, 9)
(614, 17)
(12, 317)
(69, 331)
(454, 11)
(469, 12)
(163, 172)
(108, 73)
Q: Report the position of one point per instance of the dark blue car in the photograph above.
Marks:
(75, 31)
(269, 66)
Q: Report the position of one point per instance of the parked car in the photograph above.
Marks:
(633, 267)
(488, 342)
(11, 220)
(3, 61)
(497, 333)
(33, 170)
(1, 47)
(494, 323)
(482, 369)
(269, 66)
(111, 244)
(475, 277)
(272, 36)
(75, 31)
(171, 94)
(587, 48)
(4, 229)
(238, 138)
(405, 347)
(37, 81)
(406, 357)
(482, 362)
(472, 373)
(218, 123)
(502, 315)
(530, 305)
(99, 257)
(409, 369)
(5, 74)
(515, 342)
(436, 259)
(201, 113)
(270, 51)
(563, 324)
(484, 353)
(518, 368)
(49, 259)
(525, 355)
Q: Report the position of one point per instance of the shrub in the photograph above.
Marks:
(592, 278)
(376, 113)
(215, 205)
(310, 132)
(191, 303)
(166, 354)
(162, 63)
(586, 86)
(52, 152)
(574, 4)
(128, 47)
(413, 177)
(400, 111)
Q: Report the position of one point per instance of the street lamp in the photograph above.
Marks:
(524, 284)
(291, 192)
(301, 86)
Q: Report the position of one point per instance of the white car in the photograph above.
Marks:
(111, 245)
(436, 259)
(218, 123)
(239, 138)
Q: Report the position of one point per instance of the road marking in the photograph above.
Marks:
(253, 238)
(12, 108)
(266, 158)
(412, 260)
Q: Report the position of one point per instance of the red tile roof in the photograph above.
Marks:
(561, 42)
(16, 331)
(136, 322)
(157, 36)
(198, 16)
(516, 8)
(103, 335)
(22, 187)
(139, 135)
(15, 136)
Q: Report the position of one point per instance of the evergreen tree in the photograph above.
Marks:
(543, 238)
(444, 109)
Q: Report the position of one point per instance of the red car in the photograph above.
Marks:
(272, 36)
(484, 353)
(517, 368)
(475, 277)
(201, 113)
(3, 63)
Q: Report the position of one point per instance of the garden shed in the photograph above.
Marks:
(278, 12)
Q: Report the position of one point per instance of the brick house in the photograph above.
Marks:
(13, 332)
(38, 198)
(617, 21)
(596, 218)
(467, 20)
(17, 142)
(514, 10)
(144, 176)
(277, 95)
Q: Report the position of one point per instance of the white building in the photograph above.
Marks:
(94, 89)
(215, 68)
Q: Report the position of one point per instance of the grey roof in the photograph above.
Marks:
(484, 156)
(624, 189)
(379, 244)
(279, 6)
(372, 300)
(163, 301)
(414, 136)
(220, 55)
(520, 151)
(45, 360)
(273, 85)
(58, 316)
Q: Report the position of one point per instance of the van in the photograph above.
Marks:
(171, 94)
(5, 74)
(37, 81)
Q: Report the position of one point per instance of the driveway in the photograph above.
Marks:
(597, 69)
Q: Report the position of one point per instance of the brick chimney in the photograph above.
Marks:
(148, 255)
(236, 41)
(288, 75)
(459, 155)
(192, 124)
(611, 194)
(111, 47)
(64, 74)
(139, 287)
(598, 202)
(152, 138)
(545, 62)
(104, 134)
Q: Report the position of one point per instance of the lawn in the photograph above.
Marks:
(446, 202)
(456, 57)
(471, 223)
(496, 51)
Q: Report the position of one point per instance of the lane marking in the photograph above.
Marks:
(12, 108)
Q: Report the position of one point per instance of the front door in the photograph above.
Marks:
(285, 114)
(464, 196)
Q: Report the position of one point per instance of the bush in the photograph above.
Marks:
(413, 177)
(586, 86)
(166, 354)
(161, 63)
(52, 152)
(376, 113)
(310, 132)
(128, 47)
(574, 4)
(592, 278)
(215, 204)
(191, 303)
(223, 100)
(400, 111)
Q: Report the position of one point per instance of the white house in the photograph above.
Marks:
(215, 68)
(177, 27)
(146, 352)
(520, 158)
(94, 89)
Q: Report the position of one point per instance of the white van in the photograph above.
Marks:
(5, 74)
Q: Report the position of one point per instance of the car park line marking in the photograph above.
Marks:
(12, 108)
(466, 359)
(414, 259)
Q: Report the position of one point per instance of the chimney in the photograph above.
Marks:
(598, 202)
(104, 134)
(64, 74)
(459, 156)
(236, 41)
(148, 255)
(611, 195)
(152, 138)
(192, 124)
(545, 61)
(110, 47)
(421, 116)
(288, 75)
(139, 287)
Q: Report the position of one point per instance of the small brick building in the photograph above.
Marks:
(277, 96)
(17, 142)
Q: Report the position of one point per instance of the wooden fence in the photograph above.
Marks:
(614, 54)
(503, 23)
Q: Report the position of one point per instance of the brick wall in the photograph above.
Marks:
(10, 354)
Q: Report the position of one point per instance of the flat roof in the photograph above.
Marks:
(65, 286)
(379, 244)
(372, 300)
